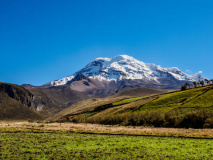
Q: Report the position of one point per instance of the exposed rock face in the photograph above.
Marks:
(16, 103)
(17, 92)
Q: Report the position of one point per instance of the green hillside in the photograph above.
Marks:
(125, 101)
(196, 97)
(192, 108)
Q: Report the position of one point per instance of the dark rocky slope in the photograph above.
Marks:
(16, 103)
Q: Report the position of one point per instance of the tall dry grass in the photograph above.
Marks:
(103, 129)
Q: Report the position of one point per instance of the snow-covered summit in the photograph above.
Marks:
(126, 67)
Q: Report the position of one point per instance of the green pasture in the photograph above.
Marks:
(126, 101)
(24, 145)
(196, 97)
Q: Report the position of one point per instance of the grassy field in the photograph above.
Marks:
(25, 145)
(196, 97)
(126, 101)
(191, 108)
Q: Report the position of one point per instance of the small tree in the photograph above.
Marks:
(198, 83)
(187, 85)
(195, 84)
(207, 81)
(184, 87)
(202, 83)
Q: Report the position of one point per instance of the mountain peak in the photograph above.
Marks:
(123, 67)
(103, 59)
(121, 57)
(115, 58)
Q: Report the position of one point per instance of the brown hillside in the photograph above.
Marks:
(84, 106)
(15, 103)
(92, 105)
(139, 92)
(49, 101)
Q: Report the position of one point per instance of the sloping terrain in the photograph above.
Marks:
(196, 97)
(189, 108)
(140, 92)
(89, 104)
(85, 106)
(16, 103)
(51, 100)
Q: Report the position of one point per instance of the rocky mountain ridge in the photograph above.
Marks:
(124, 67)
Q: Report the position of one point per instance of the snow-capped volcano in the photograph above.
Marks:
(124, 67)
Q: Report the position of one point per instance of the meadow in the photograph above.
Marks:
(128, 133)
(125, 101)
(56, 145)
(191, 108)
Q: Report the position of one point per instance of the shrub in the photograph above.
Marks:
(192, 120)
(184, 87)
(208, 123)
(178, 118)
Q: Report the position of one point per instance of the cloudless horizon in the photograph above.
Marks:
(46, 40)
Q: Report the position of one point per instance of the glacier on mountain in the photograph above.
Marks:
(123, 67)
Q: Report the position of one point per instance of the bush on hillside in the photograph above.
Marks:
(178, 118)
(187, 118)
(208, 123)
(191, 120)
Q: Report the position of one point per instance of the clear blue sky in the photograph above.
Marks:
(45, 40)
